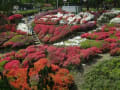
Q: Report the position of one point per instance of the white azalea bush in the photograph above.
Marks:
(75, 41)
(107, 16)
(24, 27)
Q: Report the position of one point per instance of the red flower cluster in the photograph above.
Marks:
(56, 55)
(15, 16)
(35, 78)
(115, 52)
(51, 33)
(96, 35)
(109, 34)
(90, 52)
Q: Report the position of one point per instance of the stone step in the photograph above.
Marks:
(35, 37)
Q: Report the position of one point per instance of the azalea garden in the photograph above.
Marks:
(60, 50)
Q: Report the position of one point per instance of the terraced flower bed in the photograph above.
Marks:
(45, 67)
(10, 37)
(108, 36)
(56, 25)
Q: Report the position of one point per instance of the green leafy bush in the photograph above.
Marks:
(27, 12)
(104, 76)
(91, 43)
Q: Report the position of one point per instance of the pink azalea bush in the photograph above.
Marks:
(56, 55)
(51, 33)
(110, 34)
(15, 16)
(115, 51)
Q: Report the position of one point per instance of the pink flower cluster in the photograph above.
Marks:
(56, 55)
(15, 16)
(52, 33)
(110, 35)
(107, 33)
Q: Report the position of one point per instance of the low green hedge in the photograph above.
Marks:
(104, 76)
(91, 43)
(28, 12)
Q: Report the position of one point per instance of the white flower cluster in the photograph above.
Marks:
(71, 42)
(69, 18)
(106, 17)
(23, 27)
(115, 20)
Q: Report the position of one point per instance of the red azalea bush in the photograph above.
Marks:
(15, 16)
(51, 33)
(56, 55)
(5, 25)
(70, 55)
(108, 33)
(90, 52)
(115, 52)
(96, 35)
(41, 75)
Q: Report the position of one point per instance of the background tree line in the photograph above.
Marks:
(7, 5)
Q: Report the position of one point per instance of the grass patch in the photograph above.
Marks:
(91, 43)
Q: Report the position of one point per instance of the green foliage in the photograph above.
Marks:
(110, 24)
(17, 38)
(33, 24)
(27, 12)
(2, 65)
(104, 76)
(91, 43)
(7, 5)
(4, 85)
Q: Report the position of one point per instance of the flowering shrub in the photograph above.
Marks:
(4, 36)
(51, 33)
(62, 17)
(90, 52)
(56, 55)
(12, 39)
(107, 39)
(96, 35)
(10, 24)
(18, 41)
(39, 75)
(15, 16)
(115, 52)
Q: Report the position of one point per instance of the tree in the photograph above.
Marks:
(6, 5)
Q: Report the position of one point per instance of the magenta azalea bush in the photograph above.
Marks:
(57, 55)
(52, 33)
(15, 16)
(110, 34)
